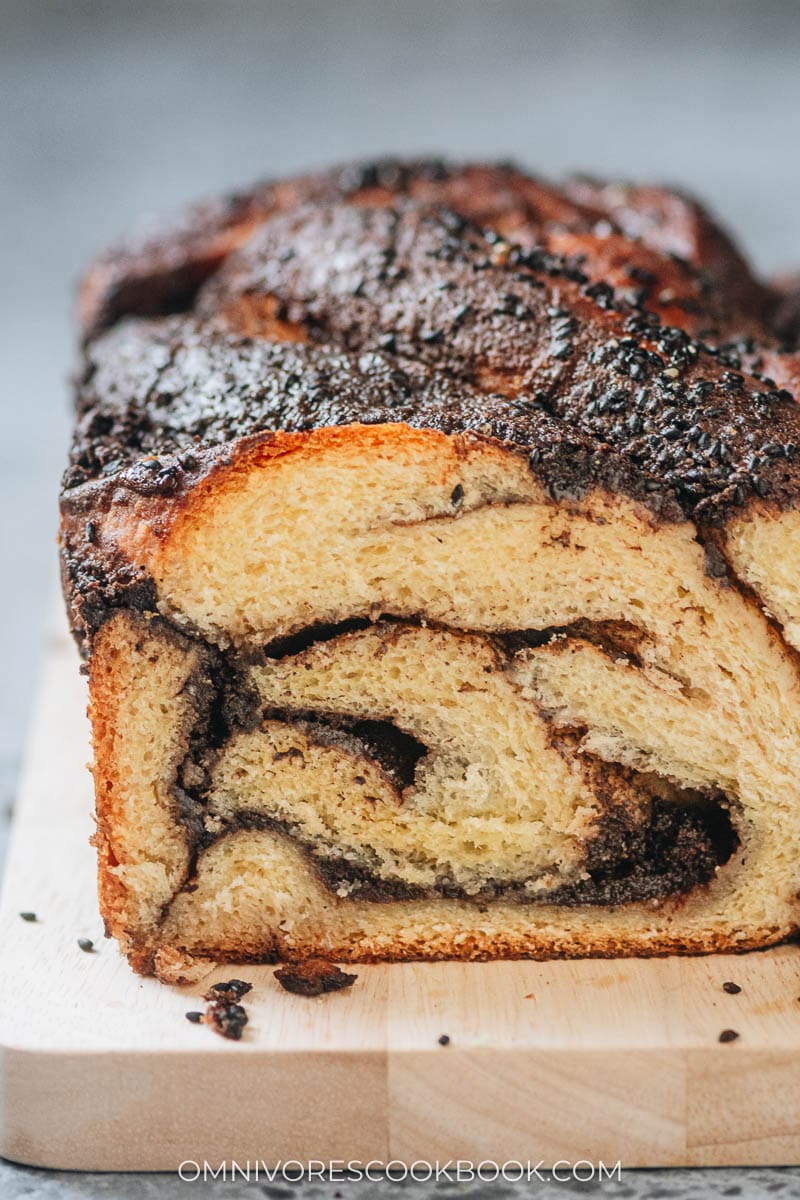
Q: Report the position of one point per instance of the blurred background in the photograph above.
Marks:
(114, 108)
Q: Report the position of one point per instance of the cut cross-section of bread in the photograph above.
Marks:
(438, 601)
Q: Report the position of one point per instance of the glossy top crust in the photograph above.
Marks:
(700, 272)
(363, 296)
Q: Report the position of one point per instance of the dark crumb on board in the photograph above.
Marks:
(313, 977)
(231, 991)
(728, 1035)
(223, 1012)
(86, 944)
(28, 916)
(732, 989)
(226, 1019)
(444, 1040)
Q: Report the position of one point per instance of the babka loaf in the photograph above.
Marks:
(433, 538)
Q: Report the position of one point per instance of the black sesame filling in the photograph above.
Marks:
(679, 848)
(684, 837)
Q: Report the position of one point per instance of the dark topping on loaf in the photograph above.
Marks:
(152, 392)
(188, 391)
(532, 332)
(666, 242)
(675, 225)
(411, 314)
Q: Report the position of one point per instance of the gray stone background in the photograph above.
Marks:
(110, 110)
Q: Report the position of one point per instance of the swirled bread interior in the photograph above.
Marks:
(439, 594)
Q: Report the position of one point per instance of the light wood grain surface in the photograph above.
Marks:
(574, 1060)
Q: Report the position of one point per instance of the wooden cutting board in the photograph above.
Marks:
(592, 1060)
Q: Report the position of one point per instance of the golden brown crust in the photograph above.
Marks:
(392, 368)
(476, 949)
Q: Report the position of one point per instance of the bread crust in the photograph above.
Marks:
(449, 360)
(159, 269)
